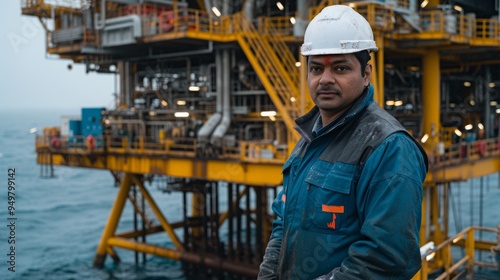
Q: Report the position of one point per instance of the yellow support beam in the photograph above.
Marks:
(114, 218)
(163, 221)
(431, 82)
(465, 171)
(144, 248)
(259, 173)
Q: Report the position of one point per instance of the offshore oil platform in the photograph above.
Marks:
(205, 105)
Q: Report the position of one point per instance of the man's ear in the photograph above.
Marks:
(368, 74)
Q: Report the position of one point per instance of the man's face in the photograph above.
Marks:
(335, 81)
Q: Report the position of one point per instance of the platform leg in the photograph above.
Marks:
(113, 220)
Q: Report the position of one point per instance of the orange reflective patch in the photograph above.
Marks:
(334, 209)
(283, 197)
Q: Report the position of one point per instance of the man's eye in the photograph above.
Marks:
(315, 69)
(341, 68)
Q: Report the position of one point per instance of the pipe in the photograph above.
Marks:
(299, 28)
(223, 126)
(248, 8)
(248, 128)
(208, 6)
(102, 23)
(208, 128)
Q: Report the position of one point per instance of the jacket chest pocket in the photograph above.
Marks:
(330, 203)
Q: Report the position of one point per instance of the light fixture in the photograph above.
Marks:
(424, 138)
(280, 6)
(468, 127)
(292, 20)
(493, 103)
(458, 8)
(414, 68)
(497, 111)
(272, 118)
(458, 132)
(398, 103)
(216, 11)
(181, 102)
(298, 64)
(424, 4)
(352, 5)
(453, 105)
(181, 114)
(293, 99)
(194, 88)
(389, 103)
(164, 103)
(152, 113)
(268, 113)
(467, 84)
(491, 85)
(480, 126)
(472, 102)
(33, 130)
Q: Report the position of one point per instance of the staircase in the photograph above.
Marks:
(274, 64)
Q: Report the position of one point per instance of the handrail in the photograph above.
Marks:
(450, 266)
(462, 152)
(453, 155)
(246, 151)
(262, 56)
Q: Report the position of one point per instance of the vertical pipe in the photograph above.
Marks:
(302, 20)
(185, 218)
(304, 89)
(204, 221)
(431, 80)
(213, 218)
(446, 207)
(238, 224)
(143, 235)
(221, 129)
(216, 223)
(248, 245)
(230, 246)
(261, 210)
(487, 108)
(134, 214)
(379, 94)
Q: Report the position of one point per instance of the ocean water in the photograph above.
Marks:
(59, 221)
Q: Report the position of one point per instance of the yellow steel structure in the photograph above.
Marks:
(424, 47)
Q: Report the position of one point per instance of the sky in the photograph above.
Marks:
(30, 79)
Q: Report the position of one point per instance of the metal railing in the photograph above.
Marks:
(245, 151)
(440, 257)
(463, 152)
(251, 151)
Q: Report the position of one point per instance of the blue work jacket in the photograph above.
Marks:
(350, 207)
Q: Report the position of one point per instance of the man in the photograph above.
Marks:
(350, 207)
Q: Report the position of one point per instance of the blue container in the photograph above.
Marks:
(91, 122)
(75, 130)
(75, 127)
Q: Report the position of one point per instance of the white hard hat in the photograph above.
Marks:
(337, 29)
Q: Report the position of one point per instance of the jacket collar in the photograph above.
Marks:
(306, 123)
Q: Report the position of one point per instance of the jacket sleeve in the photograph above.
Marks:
(269, 266)
(389, 200)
